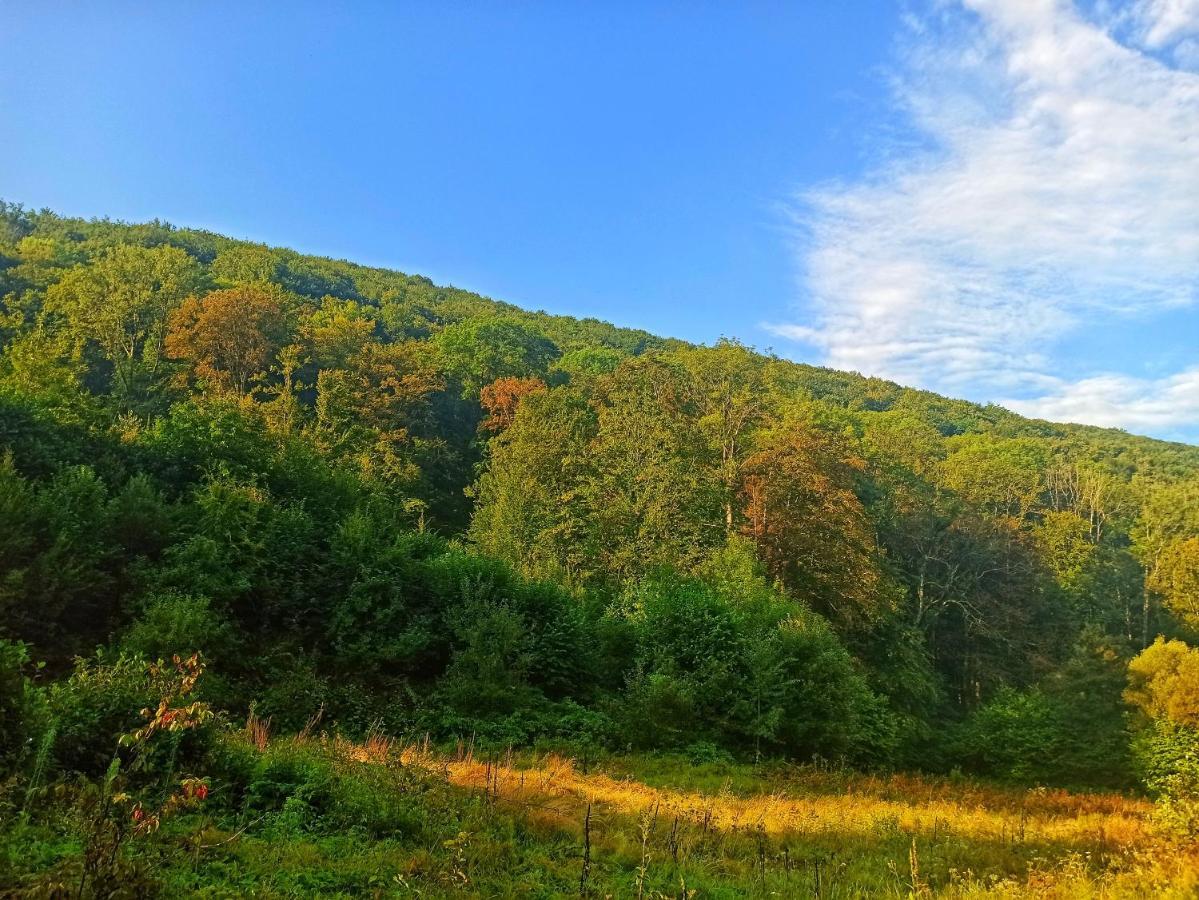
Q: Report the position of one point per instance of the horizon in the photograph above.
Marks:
(932, 194)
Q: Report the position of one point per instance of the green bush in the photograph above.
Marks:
(1067, 730)
(810, 699)
(231, 762)
(103, 700)
(293, 780)
(658, 711)
(734, 662)
(180, 624)
(303, 788)
(703, 753)
(1013, 737)
(1167, 760)
(294, 692)
(513, 642)
(559, 725)
(22, 707)
(99, 702)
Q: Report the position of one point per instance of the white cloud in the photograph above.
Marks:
(1120, 401)
(1164, 22)
(1057, 184)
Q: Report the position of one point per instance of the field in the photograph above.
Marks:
(322, 816)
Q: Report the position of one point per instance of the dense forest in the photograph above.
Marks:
(388, 507)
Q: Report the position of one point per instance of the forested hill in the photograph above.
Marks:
(423, 307)
(359, 492)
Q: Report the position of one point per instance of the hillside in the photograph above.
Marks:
(358, 503)
(320, 277)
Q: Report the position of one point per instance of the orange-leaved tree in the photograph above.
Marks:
(228, 336)
(502, 397)
(810, 529)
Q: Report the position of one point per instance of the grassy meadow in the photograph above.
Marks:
(323, 816)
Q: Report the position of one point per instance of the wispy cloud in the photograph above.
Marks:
(1171, 25)
(1055, 183)
(1157, 405)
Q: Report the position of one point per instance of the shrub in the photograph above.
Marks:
(295, 692)
(1167, 757)
(303, 787)
(1012, 737)
(22, 706)
(733, 661)
(99, 702)
(1162, 683)
(1069, 729)
(658, 711)
(179, 624)
(816, 701)
(557, 725)
(290, 779)
(102, 701)
(706, 753)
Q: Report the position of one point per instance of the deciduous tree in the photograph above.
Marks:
(228, 336)
(121, 303)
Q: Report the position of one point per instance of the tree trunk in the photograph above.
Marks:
(1145, 618)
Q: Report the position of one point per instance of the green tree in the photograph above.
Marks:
(530, 506)
(1176, 578)
(652, 495)
(1005, 477)
(337, 332)
(1169, 513)
(726, 387)
(246, 264)
(121, 302)
(478, 351)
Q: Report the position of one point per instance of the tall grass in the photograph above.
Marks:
(320, 815)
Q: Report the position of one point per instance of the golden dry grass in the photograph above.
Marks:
(869, 805)
(1035, 843)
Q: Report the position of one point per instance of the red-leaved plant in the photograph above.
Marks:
(111, 814)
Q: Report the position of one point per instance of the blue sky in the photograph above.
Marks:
(998, 200)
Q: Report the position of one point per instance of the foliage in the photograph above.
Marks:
(121, 304)
(112, 810)
(373, 502)
(477, 352)
(501, 398)
(22, 714)
(763, 673)
(1176, 578)
(1067, 730)
(1163, 681)
(228, 336)
(179, 625)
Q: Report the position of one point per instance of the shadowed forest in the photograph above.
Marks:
(320, 579)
